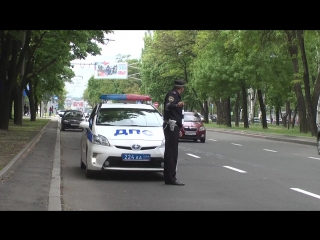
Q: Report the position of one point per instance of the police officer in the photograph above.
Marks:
(172, 126)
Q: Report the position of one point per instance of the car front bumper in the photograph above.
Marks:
(109, 158)
(194, 135)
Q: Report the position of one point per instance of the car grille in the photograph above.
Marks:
(118, 162)
(74, 121)
(190, 129)
(129, 148)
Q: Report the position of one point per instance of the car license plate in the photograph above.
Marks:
(190, 133)
(135, 157)
(74, 124)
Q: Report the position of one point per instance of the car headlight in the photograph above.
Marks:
(66, 121)
(162, 143)
(202, 128)
(101, 140)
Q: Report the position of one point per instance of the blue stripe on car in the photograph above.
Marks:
(89, 135)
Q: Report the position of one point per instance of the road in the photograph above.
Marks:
(227, 172)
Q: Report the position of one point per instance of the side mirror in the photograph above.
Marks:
(84, 124)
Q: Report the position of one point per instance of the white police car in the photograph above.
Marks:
(123, 136)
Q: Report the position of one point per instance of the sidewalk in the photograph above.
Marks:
(31, 180)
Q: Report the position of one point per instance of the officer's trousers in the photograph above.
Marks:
(170, 153)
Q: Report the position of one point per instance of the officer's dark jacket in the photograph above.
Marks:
(171, 110)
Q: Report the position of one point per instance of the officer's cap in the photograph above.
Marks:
(179, 83)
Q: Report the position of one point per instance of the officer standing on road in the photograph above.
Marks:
(172, 126)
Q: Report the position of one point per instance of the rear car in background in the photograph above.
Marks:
(123, 136)
(71, 120)
(193, 127)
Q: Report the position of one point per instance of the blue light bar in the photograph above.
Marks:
(125, 97)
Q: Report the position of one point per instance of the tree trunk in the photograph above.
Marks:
(288, 114)
(219, 112)
(262, 109)
(244, 106)
(253, 99)
(277, 116)
(227, 112)
(316, 94)
(306, 79)
(33, 104)
(236, 110)
(10, 106)
(293, 51)
(17, 106)
(194, 91)
(294, 116)
(206, 112)
(5, 85)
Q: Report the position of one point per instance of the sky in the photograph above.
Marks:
(124, 42)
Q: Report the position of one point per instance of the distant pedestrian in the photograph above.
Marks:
(271, 119)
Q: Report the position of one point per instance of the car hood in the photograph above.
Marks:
(192, 124)
(130, 133)
(73, 118)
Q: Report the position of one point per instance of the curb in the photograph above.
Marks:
(5, 171)
(55, 190)
(273, 138)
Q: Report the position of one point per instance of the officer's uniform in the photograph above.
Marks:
(172, 112)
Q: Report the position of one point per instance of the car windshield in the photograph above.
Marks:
(73, 114)
(129, 117)
(191, 118)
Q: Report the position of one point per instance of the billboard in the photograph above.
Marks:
(111, 70)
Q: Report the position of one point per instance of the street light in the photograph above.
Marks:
(107, 40)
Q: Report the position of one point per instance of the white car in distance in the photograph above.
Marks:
(123, 136)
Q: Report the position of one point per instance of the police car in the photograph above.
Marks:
(124, 135)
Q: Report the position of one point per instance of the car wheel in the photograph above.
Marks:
(203, 140)
(318, 144)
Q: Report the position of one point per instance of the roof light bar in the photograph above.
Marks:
(125, 97)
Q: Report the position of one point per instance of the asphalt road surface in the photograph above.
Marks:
(227, 172)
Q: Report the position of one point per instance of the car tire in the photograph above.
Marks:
(89, 173)
(318, 144)
(203, 140)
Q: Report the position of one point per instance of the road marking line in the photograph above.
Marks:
(236, 144)
(213, 140)
(305, 192)
(193, 155)
(314, 158)
(238, 170)
(270, 150)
